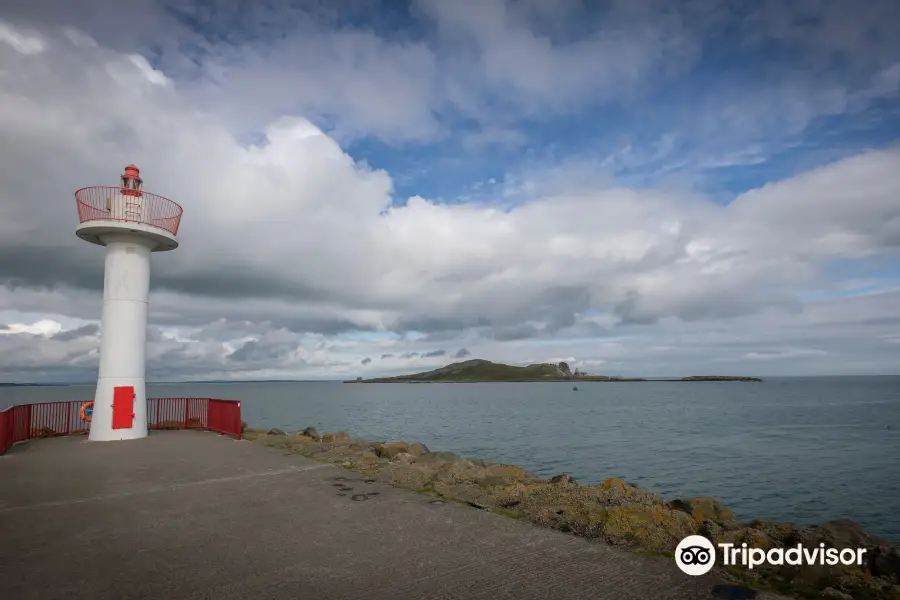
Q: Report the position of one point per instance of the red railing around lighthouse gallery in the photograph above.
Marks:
(104, 203)
(45, 419)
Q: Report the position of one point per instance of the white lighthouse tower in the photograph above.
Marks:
(131, 223)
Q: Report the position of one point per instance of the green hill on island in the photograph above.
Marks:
(478, 370)
(481, 370)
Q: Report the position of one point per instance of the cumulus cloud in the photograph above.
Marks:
(21, 41)
(89, 330)
(290, 247)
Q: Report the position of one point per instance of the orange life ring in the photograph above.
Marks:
(86, 412)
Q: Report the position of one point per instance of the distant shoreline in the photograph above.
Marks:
(576, 381)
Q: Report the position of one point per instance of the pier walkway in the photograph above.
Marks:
(189, 514)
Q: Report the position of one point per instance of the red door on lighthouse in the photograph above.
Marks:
(123, 407)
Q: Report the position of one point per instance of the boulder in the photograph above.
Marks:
(563, 479)
(613, 482)
(781, 534)
(311, 432)
(275, 431)
(711, 530)
(490, 481)
(841, 533)
(410, 476)
(403, 457)
(458, 472)
(830, 592)
(703, 508)
(754, 538)
(501, 474)
(651, 528)
(418, 449)
(439, 457)
(884, 561)
(391, 449)
(336, 437)
(615, 492)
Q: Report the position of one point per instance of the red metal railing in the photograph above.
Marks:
(105, 203)
(46, 419)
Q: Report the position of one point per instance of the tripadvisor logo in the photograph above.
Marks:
(696, 555)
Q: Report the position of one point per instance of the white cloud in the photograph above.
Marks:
(21, 41)
(44, 327)
(79, 38)
(788, 353)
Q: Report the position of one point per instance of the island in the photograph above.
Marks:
(482, 371)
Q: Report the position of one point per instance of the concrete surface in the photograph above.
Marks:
(191, 514)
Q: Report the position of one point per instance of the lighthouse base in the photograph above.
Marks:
(120, 410)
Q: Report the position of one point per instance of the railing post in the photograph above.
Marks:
(28, 421)
(157, 414)
(68, 407)
(187, 408)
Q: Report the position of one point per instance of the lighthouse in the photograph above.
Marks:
(131, 224)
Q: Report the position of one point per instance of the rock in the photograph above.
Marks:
(781, 534)
(710, 530)
(615, 492)
(439, 457)
(754, 538)
(336, 437)
(490, 481)
(275, 431)
(410, 476)
(311, 432)
(391, 450)
(652, 528)
(703, 508)
(418, 449)
(361, 447)
(830, 592)
(884, 561)
(458, 471)
(403, 457)
(841, 533)
(563, 479)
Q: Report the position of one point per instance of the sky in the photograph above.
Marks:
(636, 187)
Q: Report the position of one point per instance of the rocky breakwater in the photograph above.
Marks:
(614, 511)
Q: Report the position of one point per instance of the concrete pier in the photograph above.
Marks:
(191, 514)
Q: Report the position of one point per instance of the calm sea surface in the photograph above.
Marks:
(794, 449)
